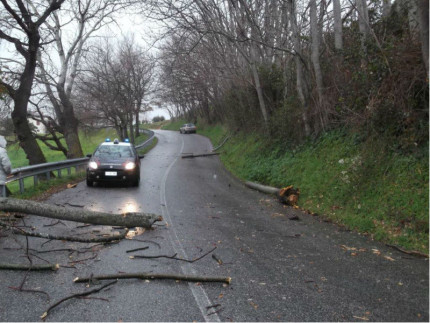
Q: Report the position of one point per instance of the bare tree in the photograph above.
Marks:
(86, 17)
(117, 81)
(27, 41)
(337, 17)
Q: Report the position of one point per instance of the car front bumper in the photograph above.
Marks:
(112, 175)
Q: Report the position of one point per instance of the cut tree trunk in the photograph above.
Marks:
(287, 195)
(200, 155)
(128, 220)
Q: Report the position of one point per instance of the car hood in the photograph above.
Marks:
(112, 161)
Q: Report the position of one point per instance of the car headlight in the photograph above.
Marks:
(92, 165)
(130, 166)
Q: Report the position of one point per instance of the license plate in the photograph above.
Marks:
(110, 173)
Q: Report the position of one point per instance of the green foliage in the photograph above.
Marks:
(360, 184)
(174, 124)
(158, 119)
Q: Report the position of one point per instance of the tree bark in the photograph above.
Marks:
(315, 57)
(337, 12)
(423, 9)
(363, 22)
(70, 123)
(128, 220)
(301, 85)
(263, 188)
(21, 98)
(386, 6)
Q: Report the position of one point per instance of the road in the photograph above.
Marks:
(281, 269)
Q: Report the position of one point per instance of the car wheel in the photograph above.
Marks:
(90, 182)
(135, 182)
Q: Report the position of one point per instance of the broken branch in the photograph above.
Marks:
(75, 295)
(29, 267)
(189, 278)
(129, 220)
(137, 249)
(173, 257)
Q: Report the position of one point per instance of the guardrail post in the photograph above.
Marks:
(69, 171)
(36, 180)
(3, 190)
(48, 176)
(59, 173)
(21, 185)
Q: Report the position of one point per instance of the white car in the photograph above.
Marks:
(188, 128)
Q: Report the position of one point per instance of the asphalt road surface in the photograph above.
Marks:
(281, 269)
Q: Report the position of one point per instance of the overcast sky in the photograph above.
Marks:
(145, 34)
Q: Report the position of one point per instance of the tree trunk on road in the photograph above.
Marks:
(128, 220)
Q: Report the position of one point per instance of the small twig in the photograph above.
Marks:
(52, 224)
(149, 241)
(81, 260)
(30, 291)
(212, 306)
(50, 240)
(54, 250)
(412, 252)
(40, 258)
(219, 261)
(98, 298)
(215, 312)
(174, 257)
(75, 295)
(137, 249)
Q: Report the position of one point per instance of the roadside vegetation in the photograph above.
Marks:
(351, 181)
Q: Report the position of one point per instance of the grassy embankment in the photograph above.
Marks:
(89, 141)
(360, 185)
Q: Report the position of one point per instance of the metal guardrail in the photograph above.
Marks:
(19, 174)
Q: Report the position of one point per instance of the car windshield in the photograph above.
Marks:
(190, 125)
(114, 151)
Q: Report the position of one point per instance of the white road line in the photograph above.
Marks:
(198, 292)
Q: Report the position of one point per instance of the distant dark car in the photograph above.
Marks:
(188, 128)
(114, 162)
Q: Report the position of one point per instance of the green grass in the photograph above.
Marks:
(154, 125)
(362, 186)
(89, 141)
(174, 125)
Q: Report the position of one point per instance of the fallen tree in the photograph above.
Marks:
(200, 155)
(128, 220)
(287, 195)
